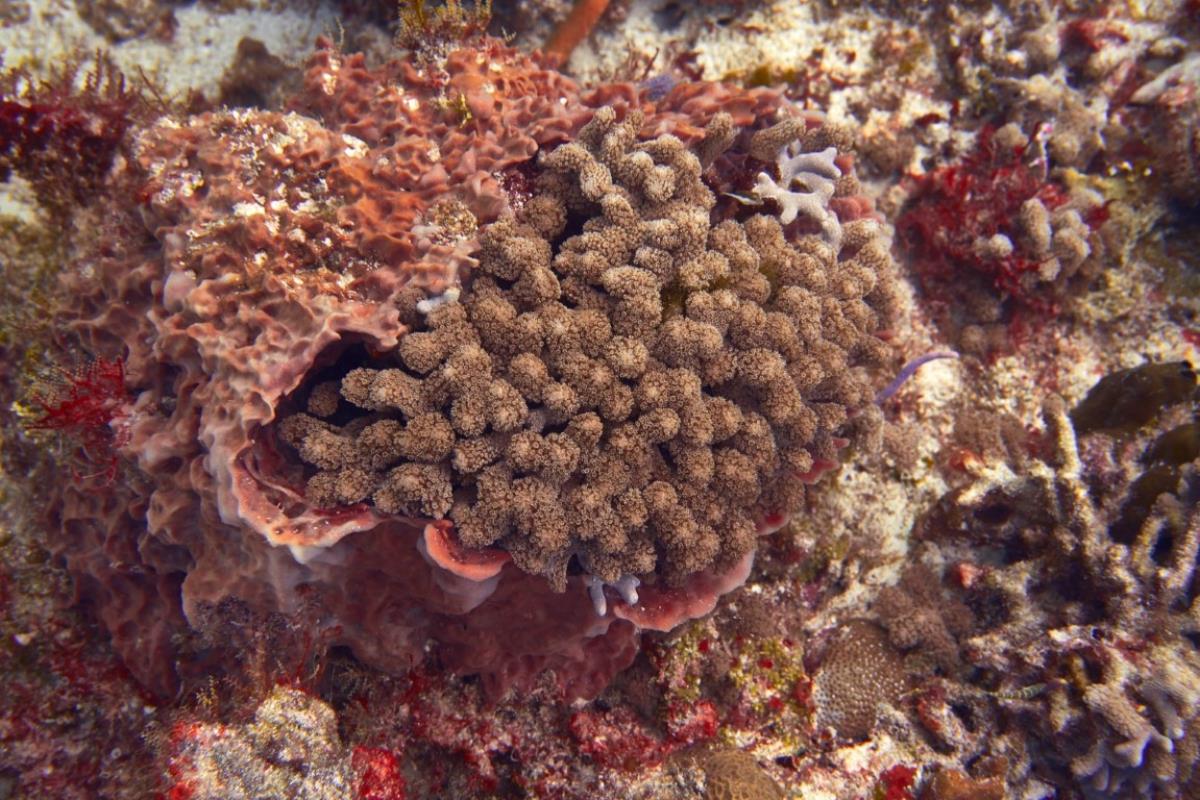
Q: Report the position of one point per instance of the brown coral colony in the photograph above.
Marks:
(620, 380)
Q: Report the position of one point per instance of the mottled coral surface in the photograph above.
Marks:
(638, 413)
(454, 428)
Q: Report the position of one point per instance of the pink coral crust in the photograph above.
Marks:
(265, 247)
(444, 550)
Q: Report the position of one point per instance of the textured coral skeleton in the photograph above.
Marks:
(291, 748)
(640, 396)
(1096, 607)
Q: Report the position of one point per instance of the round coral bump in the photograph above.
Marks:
(575, 28)
(447, 552)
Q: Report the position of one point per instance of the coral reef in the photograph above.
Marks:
(954, 784)
(258, 78)
(642, 396)
(558, 370)
(125, 19)
(1086, 611)
(347, 391)
(860, 671)
(290, 749)
(734, 775)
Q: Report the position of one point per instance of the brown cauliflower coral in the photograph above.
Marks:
(620, 381)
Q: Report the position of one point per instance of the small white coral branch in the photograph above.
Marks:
(806, 184)
(626, 587)
(451, 294)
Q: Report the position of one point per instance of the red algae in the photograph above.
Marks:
(88, 404)
(379, 774)
(62, 133)
(895, 783)
(955, 207)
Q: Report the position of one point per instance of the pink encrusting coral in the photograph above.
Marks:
(456, 344)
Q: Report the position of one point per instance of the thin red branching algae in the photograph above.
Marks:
(66, 675)
(617, 739)
(84, 404)
(62, 133)
(956, 206)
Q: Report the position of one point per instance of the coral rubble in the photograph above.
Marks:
(1085, 599)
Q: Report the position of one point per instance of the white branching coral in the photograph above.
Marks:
(625, 587)
(808, 174)
(806, 184)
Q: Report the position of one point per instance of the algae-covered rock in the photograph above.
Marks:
(735, 775)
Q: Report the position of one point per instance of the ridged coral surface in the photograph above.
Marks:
(569, 357)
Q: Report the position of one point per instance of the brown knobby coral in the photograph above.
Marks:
(860, 671)
(619, 380)
(735, 775)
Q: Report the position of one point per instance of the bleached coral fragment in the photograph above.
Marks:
(806, 183)
(429, 304)
(625, 586)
